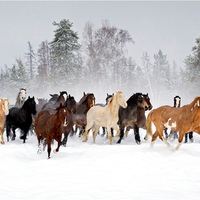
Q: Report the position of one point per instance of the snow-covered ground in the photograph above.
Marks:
(87, 171)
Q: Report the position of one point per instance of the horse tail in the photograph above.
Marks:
(148, 126)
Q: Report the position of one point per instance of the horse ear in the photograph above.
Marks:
(28, 97)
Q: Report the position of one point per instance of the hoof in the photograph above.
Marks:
(54, 151)
(138, 142)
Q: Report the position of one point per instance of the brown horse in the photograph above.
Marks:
(79, 118)
(184, 119)
(4, 110)
(106, 116)
(51, 126)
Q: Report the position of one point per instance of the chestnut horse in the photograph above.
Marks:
(79, 118)
(134, 115)
(4, 110)
(51, 126)
(106, 116)
(184, 119)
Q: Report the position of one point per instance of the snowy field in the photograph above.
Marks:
(87, 171)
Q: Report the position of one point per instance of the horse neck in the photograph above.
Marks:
(114, 105)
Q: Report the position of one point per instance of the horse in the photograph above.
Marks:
(184, 119)
(79, 118)
(20, 118)
(52, 104)
(21, 97)
(174, 134)
(4, 111)
(107, 116)
(51, 126)
(108, 98)
(133, 116)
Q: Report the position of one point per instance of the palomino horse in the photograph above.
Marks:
(51, 126)
(4, 110)
(79, 118)
(108, 98)
(21, 97)
(184, 119)
(106, 116)
(20, 118)
(133, 116)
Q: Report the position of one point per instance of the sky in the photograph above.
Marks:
(169, 26)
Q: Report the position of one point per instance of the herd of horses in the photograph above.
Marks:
(61, 116)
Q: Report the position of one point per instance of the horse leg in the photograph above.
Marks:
(186, 137)
(146, 137)
(191, 136)
(104, 131)
(49, 148)
(39, 144)
(14, 134)
(180, 140)
(94, 132)
(121, 135)
(154, 136)
(66, 131)
(59, 144)
(137, 135)
(166, 134)
(1, 136)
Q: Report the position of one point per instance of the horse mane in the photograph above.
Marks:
(61, 94)
(85, 97)
(134, 98)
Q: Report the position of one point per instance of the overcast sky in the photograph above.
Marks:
(169, 26)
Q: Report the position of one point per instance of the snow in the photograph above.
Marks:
(88, 171)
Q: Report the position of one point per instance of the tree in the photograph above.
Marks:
(30, 57)
(106, 56)
(192, 69)
(65, 54)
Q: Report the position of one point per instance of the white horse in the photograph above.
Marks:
(21, 98)
(107, 116)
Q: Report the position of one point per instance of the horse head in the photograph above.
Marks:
(108, 98)
(71, 104)
(22, 94)
(120, 99)
(141, 102)
(177, 101)
(5, 105)
(30, 104)
(147, 99)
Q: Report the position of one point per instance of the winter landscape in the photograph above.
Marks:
(100, 47)
(100, 171)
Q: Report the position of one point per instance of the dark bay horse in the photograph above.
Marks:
(134, 115)
(20, 118)
(50, 127)
(79, 118)
(52, 104)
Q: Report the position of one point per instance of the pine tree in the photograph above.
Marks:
(65, 54)
(192, 71)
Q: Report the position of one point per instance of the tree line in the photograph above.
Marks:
(100, 64)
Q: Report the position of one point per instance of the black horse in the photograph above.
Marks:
(134, 115)
(20, 118)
